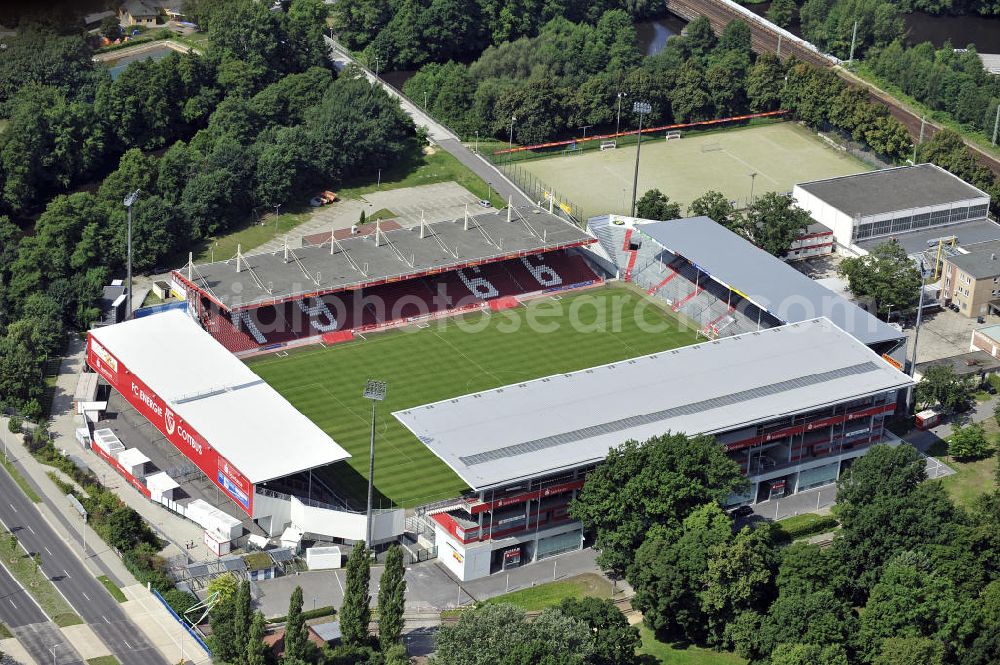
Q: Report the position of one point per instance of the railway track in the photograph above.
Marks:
(764, 37)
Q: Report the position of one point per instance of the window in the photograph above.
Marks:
(959, 214)
(976, 212)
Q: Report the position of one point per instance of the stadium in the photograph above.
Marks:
(518, 349)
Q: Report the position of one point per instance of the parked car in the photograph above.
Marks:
(316, 202)
(742, 511)
(484, 203)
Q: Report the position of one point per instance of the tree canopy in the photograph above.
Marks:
(885, 276)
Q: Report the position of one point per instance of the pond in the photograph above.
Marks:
(654, 33)
(117, 65)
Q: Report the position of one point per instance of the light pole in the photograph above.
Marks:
(618, 121)
(277, 207)
(425, 100)
(916, 333)
(375, 391)
(510, 139)
(129, 202)
(585, 128)
(477, 142)
(52, 649)
(753, 178)
(642, 108)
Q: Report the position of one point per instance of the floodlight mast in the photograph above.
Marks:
(641, 109)
(129, 202)
(375, 391)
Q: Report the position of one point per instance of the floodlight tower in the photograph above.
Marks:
(641, 108)
(129, 202)
(375, 391)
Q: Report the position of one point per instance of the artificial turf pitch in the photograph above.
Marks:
(453, 357)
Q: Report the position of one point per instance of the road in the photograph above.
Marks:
(764, 37)
(84, 593)
(436, 132)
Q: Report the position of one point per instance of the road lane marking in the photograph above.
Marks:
(49, 551)
(31, 530)
(12, 603)
(12, 507)
(127, 644)
(85, 595)
(67, 574)
(105, 619)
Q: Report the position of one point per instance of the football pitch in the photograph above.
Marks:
(449, 358)
(781, 154)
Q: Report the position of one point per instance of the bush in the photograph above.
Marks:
(14, 425)
(803, 525)
(180, 601)
(969, 442)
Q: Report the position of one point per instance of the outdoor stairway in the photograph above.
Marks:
(683, 301)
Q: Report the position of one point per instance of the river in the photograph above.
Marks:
(961, 30)
(654, 33)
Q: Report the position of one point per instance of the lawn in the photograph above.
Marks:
(248, 237)
(971, 479)
(112, 588)
(21, 567)
(450, 358)
(5, 632)
(103, 660)
(780, 154)
(550, 594)
(19, 479)
(665, 654)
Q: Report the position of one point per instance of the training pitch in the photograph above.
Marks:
(453, 357)
(781, 154)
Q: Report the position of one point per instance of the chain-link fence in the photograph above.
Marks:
(538, 191)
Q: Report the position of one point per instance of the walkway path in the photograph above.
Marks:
(436, 132)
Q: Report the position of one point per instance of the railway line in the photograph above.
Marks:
(765, 37)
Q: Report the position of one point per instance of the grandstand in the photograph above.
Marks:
(335, 288)
(725, 285)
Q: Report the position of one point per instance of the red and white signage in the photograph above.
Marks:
(179, 432)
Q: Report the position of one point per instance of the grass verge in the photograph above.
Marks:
(550, 594)
(19, 479)
(653, 651)
(22, 568)
(805, 525)
(5, 632)
(103, 660)
(112, 588)
(249, 237)
(971, 479)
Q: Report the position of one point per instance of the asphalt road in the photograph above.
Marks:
(17, 608)
(85, 594)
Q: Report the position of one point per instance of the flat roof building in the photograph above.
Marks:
(891, 203)
(790, 404)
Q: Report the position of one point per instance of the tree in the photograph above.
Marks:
(940, 385)
(808, 654)
(885, 276)
(614, 641)
(256, 650)
(243, 614)
(658, 482)
(772, 222)
(654, 204)
(781, 12)
(669, 571)
(713, 205)
(818, 618)
(739, 578)
(223, 617)
(909, 651)
(12, 546)
(391, 598)
(764, 82)
(969, 442)
(296, 631)
(911, 601)
(355, 613)
(500, 634)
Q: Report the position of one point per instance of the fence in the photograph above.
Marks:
(190, 631)
(539, 192)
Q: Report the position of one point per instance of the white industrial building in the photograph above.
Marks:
(922, 201)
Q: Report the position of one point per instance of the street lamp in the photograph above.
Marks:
(618, 121)
(52, 649)
(753, 178)
(916, 332)
(129, 202)
(425, 100)
(510, 140)
(642, 108)
(375, 391)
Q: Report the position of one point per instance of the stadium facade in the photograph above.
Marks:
(792, 405)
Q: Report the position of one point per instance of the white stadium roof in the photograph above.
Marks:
(568, 420)
(239, 415)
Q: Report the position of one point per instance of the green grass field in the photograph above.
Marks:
(781, 154)
(453, 357)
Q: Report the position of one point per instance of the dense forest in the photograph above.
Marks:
(953, 82)
(256, 121)
(909, 579)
